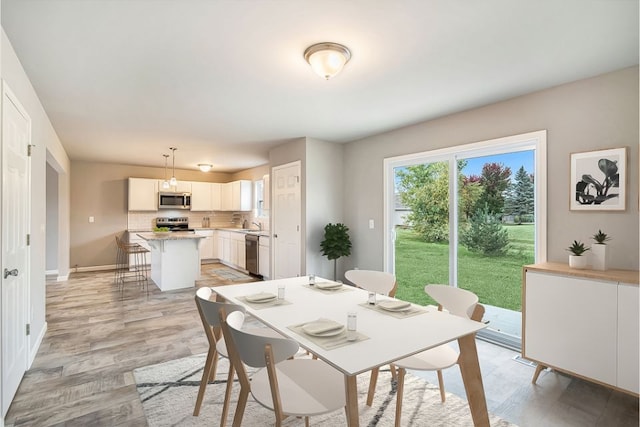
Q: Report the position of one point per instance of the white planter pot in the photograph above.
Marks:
(578, 262)
(600, 254)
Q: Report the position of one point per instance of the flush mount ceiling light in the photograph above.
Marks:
(173, 181)
(205, 167)
(165, 183)
(327, 59)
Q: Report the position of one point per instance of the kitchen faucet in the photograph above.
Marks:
(258, 224)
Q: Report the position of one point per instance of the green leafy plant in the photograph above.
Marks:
(160, 229)
(577, 248)
(336, 243)
(601, 237)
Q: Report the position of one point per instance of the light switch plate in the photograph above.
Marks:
(371, 224)
(91, 219)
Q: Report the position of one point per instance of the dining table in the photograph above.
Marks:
(382, 336)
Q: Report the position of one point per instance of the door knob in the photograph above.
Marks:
(8, 272)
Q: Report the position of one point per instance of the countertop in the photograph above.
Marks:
(262, 233)
(170, 235)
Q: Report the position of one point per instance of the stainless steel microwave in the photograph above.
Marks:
(174, 200)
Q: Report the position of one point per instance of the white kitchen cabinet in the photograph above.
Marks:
(264, 257)
(201, 196)
(236, 196)
(143, 194)
(582, 322)
(628, 337)
(238, 250)
(216, 196)
(207, 244)
(182, 187)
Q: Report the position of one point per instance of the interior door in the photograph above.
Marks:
(287, 214)
(16, 134)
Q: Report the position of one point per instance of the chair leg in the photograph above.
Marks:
(373, 380)
(242, 403)
(227, 396)
(399, 393)
(209, 366)
(441, 384)
(306, 421)
(392, 368)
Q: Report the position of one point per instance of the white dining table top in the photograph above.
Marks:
(390, 338)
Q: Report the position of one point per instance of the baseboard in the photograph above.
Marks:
(33, 351)
(94, 268)
(62, 278)
(51, 272)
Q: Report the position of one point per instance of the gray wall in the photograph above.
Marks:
(52, 220)
(47, 145)
(100, 190)
(592, 114)
(324, 187)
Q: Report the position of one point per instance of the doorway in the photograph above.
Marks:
(287, 217)
(460, 216)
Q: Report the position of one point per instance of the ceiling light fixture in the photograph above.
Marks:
(165, 183)
(327, 59)
(173, 181)
(205, 167)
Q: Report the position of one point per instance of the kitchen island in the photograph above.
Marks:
(175, 261)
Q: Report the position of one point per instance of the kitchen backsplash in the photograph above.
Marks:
(146, 220)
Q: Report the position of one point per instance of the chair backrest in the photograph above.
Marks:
(209, 309)
(457, 301)
(251, 347)
(374, 281)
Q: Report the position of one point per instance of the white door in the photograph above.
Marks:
(287, 214)
(16, 135)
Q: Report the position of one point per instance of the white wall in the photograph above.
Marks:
(591, 114)
(47, 145)
(51, 251)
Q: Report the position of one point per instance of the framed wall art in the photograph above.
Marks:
(598, 180)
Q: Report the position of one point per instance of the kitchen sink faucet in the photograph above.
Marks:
(258, 224)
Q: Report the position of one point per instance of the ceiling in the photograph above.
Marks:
(224, 81)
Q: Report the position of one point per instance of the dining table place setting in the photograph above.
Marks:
(328, 333)
(328, 287)
(394, 308)
(263, 299)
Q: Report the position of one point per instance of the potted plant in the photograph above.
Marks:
(336, 243)
(600, 252)
(577, 260)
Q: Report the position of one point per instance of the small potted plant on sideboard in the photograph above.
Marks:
(576, 260)
(600, 252)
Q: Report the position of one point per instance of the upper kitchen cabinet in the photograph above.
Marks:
(180, 187)
(236, 196)
(143, 194)
(201, 196)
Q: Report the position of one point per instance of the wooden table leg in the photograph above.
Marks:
(351, 389)
(472, 378)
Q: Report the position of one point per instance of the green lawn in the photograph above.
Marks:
(496, 280)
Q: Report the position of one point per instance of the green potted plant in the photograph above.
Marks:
(600, 251)
(336, 243)
(576, 260)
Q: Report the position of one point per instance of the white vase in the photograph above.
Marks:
(578, 262)
(600, 256)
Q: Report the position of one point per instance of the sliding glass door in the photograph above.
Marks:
(470, 216)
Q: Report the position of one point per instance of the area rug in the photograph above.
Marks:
(168, 394)
(230, 274)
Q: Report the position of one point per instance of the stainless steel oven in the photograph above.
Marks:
(251, 247)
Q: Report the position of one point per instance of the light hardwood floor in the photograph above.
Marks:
(82, 374)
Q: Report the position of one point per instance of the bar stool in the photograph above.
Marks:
(127, 272)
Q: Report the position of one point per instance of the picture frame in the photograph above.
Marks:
(598, 180)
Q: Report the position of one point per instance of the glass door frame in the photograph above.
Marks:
(528, 141)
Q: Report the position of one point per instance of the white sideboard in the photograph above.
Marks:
(582, 322)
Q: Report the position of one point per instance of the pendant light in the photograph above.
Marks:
(165, 183)
(173, 181)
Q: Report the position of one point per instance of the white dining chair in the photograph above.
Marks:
(456, 301)
(382, 283)
(289, 387)
(209, 315)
